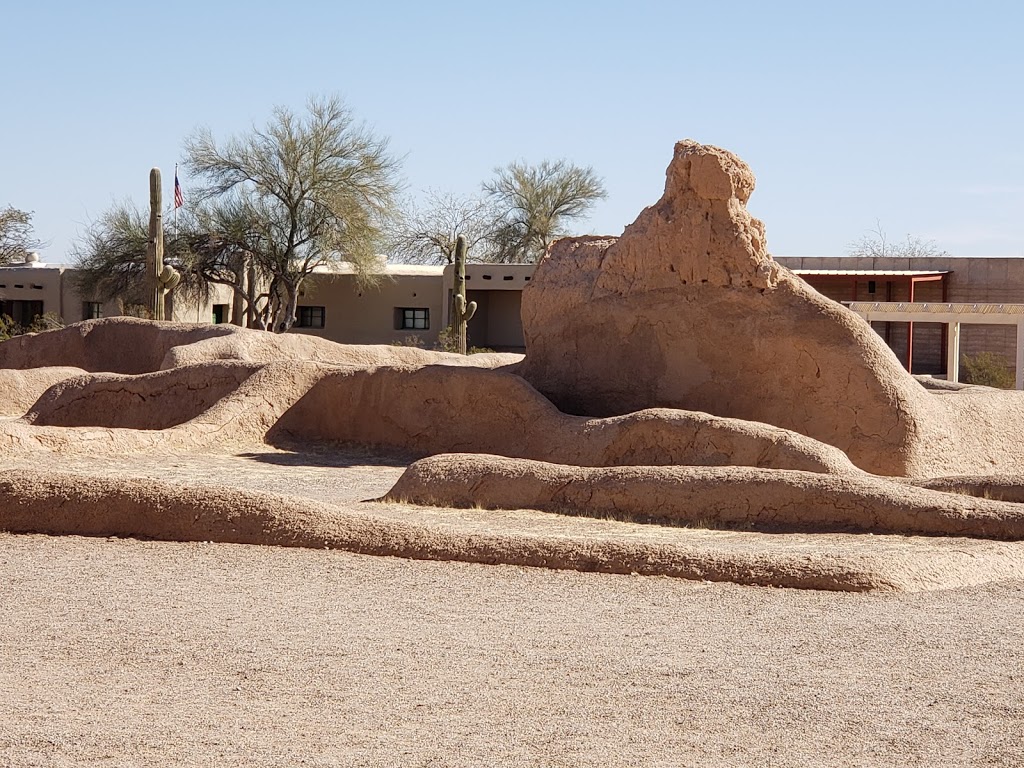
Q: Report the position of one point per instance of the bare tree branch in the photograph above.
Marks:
(876, 244)
(427, 235)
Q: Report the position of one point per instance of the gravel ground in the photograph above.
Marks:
(129, 653)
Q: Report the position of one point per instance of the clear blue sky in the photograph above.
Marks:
(905, 112)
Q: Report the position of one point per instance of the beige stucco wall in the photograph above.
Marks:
(366, 315)
(55, 287)
(40, 283)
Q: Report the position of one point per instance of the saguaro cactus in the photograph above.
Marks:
(462, 311)
(161, 278)
(155, 246)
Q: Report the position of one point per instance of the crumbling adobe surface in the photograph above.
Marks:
(20, 389)
(130, 345)
(765, 499)
(690, 379)
(687, 310)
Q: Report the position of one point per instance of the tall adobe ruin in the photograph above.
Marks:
(687, 310)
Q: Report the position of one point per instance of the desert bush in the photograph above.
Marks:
(48, 321)
(987, 369)
(446, 341)
(9, 328)
(411, 340)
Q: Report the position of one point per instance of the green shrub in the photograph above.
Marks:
(446, 341)
(411, 340)
(9, 328)
(987, 369)
(49, 321)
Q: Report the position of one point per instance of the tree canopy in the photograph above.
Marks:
(302, 192)
(16, 237)
(536, 203)
(524, 209)
(427, 234)
(276, 203)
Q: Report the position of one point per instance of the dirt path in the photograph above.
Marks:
(127, 653)
(131, 653)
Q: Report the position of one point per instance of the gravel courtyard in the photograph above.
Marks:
(121, 652)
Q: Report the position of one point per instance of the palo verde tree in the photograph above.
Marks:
(304, 192)
(207, 247)
(535, 203)
(110, 257)
(16, 238)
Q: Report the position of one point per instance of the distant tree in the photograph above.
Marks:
(304, 192)
(207, 247)
(426, 235)
(987, 369)
(16, 238)
(876, 244)
(280, 203)
(110, 256)
(536, 203)
(48, 321)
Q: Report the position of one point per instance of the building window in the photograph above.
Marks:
(220, 313)
(310, 317)
(414, 319)
(24, 313)
(91, 310)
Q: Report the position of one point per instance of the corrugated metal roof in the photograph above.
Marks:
(872, 272)
(937, 308)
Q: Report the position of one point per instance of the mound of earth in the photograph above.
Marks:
(147, 401)
(438, 409)
(688, 310)
(674, 376)
(152, 509)
(763, 499)
(130, 345)
(20, 389)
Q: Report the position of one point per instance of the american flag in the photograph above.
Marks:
(179, 199)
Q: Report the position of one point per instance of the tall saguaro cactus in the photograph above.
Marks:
(161, 278)
(155, 246)
(462, 311)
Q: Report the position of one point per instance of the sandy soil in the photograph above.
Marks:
(126, 653)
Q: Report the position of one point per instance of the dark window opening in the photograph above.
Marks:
(220, 313)
(91, 310)
(311, 317)
(24, 313)
(412, 319)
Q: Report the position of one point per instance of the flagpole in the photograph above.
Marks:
(175, 201)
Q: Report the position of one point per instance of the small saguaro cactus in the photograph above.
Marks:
(462, 312)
